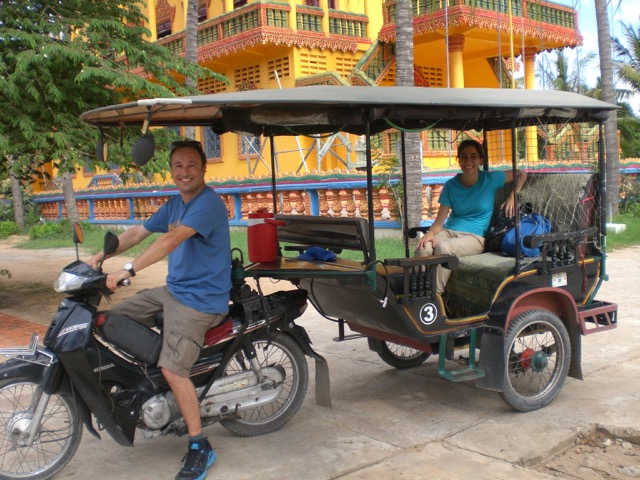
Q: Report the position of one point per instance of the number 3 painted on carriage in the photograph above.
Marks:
(428, 313)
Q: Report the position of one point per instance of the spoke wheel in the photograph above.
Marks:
(55, 442)
(399, 356)
(282, 352)
(537, 356)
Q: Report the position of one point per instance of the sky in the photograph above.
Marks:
(620, 11)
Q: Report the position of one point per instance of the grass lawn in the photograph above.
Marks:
(631, 235)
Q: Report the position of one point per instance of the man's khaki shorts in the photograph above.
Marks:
(183, 331)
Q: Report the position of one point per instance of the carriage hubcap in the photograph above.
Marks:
(540, 361)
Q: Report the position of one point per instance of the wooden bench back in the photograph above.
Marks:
(328, 232)
(566, 199)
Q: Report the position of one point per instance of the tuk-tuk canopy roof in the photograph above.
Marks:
(327, 109)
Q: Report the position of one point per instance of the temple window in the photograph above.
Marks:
(164, 18)
(202, 11)
(316, 3)
(211, 144)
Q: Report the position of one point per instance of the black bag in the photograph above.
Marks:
(500, 226)
(497, 231)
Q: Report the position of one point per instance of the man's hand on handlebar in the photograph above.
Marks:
(117, 279)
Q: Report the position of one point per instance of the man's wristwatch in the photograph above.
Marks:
(129, 268)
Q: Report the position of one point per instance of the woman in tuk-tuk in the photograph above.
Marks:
(466, 207)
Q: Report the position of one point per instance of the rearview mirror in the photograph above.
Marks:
(78, 237)
(78, 233)
(111, 244)
(143, 149)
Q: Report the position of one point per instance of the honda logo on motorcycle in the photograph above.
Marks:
(428, 313)
(104, 367)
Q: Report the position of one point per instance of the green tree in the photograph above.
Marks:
(562, 74)
(629, 127)
(59, 58)
(627, 64)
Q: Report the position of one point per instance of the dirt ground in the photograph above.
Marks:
(596, 455)
(28, 294)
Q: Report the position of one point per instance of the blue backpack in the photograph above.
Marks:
(533, 223)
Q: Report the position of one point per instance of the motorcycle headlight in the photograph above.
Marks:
(68, 282)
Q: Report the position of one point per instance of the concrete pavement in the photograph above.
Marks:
(411, 424)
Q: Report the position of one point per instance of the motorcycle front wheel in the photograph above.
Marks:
(282, 352)
(56, 439)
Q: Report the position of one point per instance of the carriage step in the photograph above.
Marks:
(469, 372)
(462, 374)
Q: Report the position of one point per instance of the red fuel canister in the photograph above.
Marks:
(262, 241)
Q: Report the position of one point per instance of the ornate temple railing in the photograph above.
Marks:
(330, 194)
(428, 16)
(338, 195)
(257, 23)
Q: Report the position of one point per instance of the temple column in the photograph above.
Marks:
(456, 47)
(528, 56)
(149, 11)
(293, 17)
(324, 4)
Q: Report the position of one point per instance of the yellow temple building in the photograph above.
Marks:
(295, 43)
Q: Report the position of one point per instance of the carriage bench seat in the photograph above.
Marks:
(566, 199)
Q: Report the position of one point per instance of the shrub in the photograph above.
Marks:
(49, 230)
(8, 228)
(630, 197)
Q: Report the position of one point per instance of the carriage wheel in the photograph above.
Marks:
(537, 356)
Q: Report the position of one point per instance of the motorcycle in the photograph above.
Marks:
(251, 375)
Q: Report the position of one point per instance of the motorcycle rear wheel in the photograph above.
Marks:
(284, 352)
(55, 442)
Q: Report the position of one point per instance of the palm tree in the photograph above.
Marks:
(629, 126)
(404, 77)
(627, 65)
(191, 49)
(562, 75)
(608, 95)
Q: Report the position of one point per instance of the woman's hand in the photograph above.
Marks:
(509, 203)
(509, 207)
(426, 238)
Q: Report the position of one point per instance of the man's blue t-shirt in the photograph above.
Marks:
(200, 267)
(471, 207)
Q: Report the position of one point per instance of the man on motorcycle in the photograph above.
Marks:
(195, 236)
